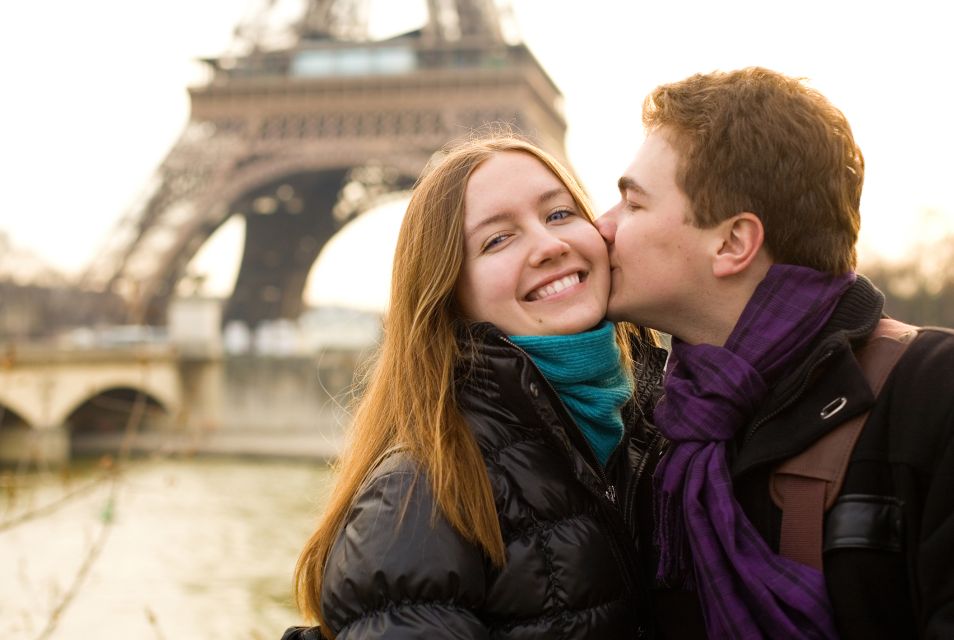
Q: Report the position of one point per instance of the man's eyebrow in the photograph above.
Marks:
(628, 184)
(487, 221)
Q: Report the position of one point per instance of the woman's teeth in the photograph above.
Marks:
(555, 287)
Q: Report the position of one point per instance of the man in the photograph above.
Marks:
(736, 234)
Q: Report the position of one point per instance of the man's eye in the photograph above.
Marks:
(633, 206)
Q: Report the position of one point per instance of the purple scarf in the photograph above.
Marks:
(746, 590)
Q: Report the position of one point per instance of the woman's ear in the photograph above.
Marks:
(742, 238)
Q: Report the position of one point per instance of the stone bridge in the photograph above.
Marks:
(57, 403)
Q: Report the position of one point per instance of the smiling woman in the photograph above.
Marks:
(480, 476)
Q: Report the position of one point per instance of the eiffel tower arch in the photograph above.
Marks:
(303, 128)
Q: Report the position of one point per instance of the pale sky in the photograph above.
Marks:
(94, 96)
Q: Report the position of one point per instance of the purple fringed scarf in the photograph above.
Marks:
(746, 590)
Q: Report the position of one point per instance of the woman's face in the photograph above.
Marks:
(533, 264)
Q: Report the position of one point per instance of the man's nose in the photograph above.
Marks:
(606, 224)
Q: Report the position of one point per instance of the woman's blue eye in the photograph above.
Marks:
(559, 215)
(497, 239)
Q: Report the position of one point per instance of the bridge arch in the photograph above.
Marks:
(163, 388)
(99, 423)
(16, 435)
(43, 389)
(13, 412)
(9, 417)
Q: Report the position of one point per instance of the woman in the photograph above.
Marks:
(491, 463)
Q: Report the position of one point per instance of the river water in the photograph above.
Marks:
(166, 549)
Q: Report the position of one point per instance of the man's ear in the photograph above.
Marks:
(742, 237)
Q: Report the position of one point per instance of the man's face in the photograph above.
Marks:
(659, 260)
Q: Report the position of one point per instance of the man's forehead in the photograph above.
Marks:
(653, 168)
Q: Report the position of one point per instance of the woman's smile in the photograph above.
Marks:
(559, 285)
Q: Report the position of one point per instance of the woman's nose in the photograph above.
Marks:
(547, 246)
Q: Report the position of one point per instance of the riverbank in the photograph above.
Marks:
(170, 548)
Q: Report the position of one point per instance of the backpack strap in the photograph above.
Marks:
(806, 485)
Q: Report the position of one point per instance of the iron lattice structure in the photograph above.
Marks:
(303, 128)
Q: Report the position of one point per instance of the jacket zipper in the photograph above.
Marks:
(627, 561)
(609, 491)
(653, 449)
(788, 401)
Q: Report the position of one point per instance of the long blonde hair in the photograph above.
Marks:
(409, 399)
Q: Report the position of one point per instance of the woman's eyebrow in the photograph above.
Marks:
(544, 197)
(551, 194)
(487, 221)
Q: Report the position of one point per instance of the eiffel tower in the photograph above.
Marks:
(300, 136)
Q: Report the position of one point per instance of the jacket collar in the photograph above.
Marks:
(650, 367)
(791, 418)
(499, 384)
(483, 339)
(494, 369)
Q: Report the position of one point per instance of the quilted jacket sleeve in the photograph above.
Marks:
(397, 572)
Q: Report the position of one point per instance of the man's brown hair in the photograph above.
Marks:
(759, 141)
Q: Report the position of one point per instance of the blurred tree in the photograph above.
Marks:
(920, 286)
(34, 312)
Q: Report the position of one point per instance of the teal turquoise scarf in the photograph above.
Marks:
(585, 370)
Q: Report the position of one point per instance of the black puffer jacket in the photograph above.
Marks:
(571, 572)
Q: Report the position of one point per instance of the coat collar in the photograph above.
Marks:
(483, 340)
(791, 416)
(492, 369)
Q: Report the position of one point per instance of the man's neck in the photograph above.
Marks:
(713, 329)
(718, 309)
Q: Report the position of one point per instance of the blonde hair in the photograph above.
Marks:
(409, 400)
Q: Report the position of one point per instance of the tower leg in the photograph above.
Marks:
(287, 224)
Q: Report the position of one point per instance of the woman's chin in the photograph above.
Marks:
(567, 326)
